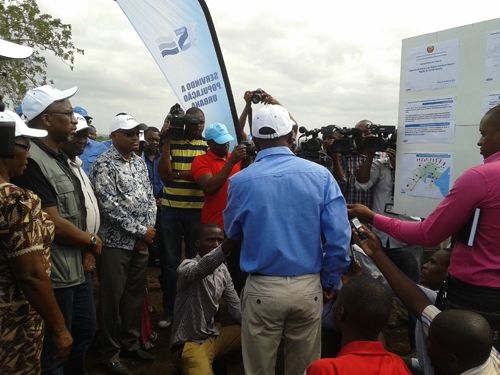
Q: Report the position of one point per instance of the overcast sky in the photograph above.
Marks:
(328, 62)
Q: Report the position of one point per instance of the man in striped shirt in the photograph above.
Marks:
(181, 203)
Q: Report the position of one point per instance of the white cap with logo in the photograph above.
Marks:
(38, 99)
(125, 122)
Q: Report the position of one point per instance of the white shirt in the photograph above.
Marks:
(93, 216)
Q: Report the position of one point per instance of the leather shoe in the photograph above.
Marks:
(116, 367)
(138, 354)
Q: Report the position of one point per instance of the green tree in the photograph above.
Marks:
(22, 23)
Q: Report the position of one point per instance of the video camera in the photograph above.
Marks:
(351, 140)
(380, 138)
(311, 149)
(178, 121)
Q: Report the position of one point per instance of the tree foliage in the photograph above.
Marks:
(22, 23)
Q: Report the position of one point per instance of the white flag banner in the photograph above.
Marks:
(181, 37)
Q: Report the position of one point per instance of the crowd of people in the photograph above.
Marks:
(258, 227)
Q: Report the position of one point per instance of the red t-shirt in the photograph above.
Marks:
(361, 357)
(214, 203)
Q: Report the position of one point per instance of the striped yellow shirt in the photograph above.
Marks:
(182, 193)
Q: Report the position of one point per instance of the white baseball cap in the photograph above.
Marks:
(125, 122)
(82, 123)
(38, 99)
(271, 121)
(9, 50)
(21, 128)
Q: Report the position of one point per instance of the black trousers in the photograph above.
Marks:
(483, 300)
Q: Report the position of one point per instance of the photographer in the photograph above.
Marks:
(182, 198)
(212, 170)
(347, 160)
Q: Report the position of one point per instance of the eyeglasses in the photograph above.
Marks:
(70, 114)
(129, 134)
(24, 146)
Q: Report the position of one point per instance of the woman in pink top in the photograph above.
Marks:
(474, 281)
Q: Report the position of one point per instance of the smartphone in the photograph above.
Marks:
(356, 225)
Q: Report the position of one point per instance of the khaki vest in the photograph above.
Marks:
(67, 269)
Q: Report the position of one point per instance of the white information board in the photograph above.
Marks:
(449, 79)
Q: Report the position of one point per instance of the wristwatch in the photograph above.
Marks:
(93, 239)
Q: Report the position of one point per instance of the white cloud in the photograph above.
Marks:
(327, 61)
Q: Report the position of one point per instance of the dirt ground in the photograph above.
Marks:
(396, 341)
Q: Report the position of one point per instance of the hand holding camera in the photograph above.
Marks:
(239, 153)
(176, 122)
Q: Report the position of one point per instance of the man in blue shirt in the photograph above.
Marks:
(291, 251)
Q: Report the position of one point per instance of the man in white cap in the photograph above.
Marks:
(50, 177)
(293, 254)
(128, 213)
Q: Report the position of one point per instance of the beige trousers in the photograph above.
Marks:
(276, 308)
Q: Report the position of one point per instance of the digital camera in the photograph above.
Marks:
(258, 96)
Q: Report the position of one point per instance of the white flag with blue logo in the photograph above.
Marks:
(181, 37)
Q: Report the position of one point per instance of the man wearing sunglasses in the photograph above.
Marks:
(128, 215)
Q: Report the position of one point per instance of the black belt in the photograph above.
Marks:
(454, 282)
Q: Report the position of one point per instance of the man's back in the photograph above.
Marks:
(291, 219)
(278, 203)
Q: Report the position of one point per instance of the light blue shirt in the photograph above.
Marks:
(92, 151)
(291, 218)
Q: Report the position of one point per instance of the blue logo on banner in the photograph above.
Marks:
(180, 42)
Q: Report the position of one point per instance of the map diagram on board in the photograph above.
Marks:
(426, 175)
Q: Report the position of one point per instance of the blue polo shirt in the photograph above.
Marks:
(291, 217)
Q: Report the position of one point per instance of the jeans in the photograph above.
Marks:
(77, 306)
(177, 224)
